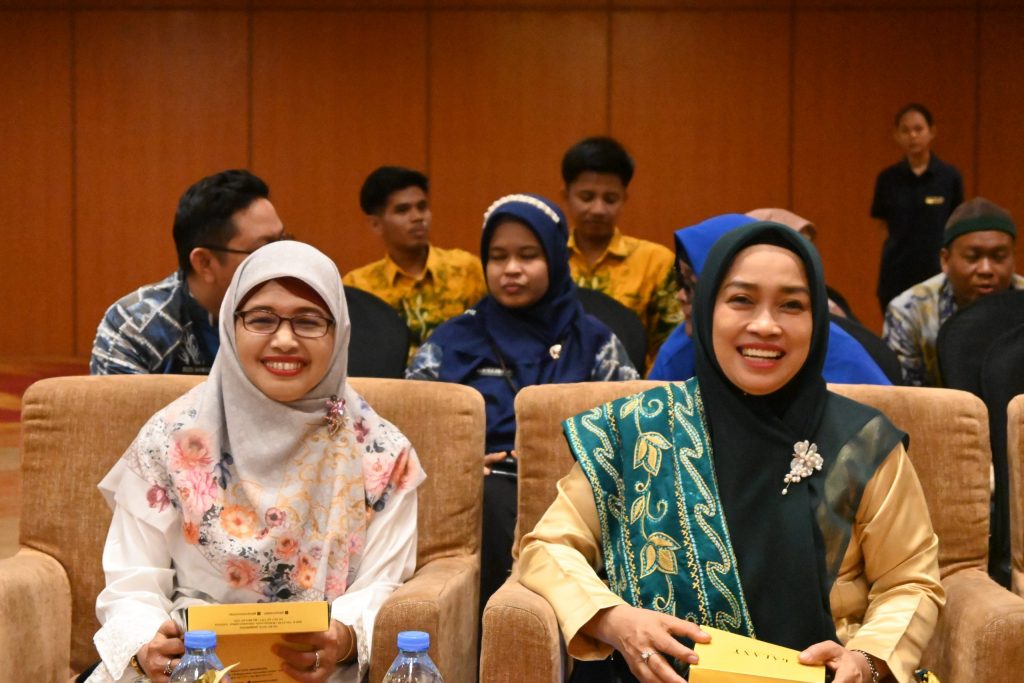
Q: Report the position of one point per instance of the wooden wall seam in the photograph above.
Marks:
(978, 48)
(609, 32)
(73, 204)
(791, 143)
(251, 39)
(428, 49)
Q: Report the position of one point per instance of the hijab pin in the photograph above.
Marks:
(555, 351)
(806, 460)
(335, 416)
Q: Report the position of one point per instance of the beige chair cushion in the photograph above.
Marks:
(1015, 454)
(76, 428)
(949, 448)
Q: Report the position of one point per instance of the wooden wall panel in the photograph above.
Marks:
(298, 5)
(1000, 133)
(591, 5)
(717, 5)
(161, 101)
(510, 91)
(886, 4)
(115, 106)
(35, 187)
(336, 94)
(702, 100)
(160, 4)
(853, 71)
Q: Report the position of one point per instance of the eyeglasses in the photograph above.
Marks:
(228, 250)
(305, 325)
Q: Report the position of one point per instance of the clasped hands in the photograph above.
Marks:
(646, 639)
(160, 655)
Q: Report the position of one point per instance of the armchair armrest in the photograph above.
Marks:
(35, 601)
(441, 598)
(522, 641)
(980, 635)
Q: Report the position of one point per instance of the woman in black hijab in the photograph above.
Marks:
(749, 498)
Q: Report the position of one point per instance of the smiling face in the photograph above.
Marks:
(761, 331)
(517, 268)
(284, 366)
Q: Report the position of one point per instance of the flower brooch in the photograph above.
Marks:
(806, 460)
(335, 416)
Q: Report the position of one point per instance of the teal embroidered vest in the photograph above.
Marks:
(664, 538)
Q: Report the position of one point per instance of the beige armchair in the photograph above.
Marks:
(75, 428)
(1015, 455)
(980, 636)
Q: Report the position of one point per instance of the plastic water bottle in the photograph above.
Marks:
(413, 664)
(200, 657)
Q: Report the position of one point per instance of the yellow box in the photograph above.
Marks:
(245, 632)
(732, 658)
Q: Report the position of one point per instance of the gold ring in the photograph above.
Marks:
(316, 660)
(168, 669)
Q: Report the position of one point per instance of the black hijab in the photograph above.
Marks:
(778, 540)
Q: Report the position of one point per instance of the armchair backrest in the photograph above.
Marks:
(544, 456)
(948, 446)
(1015, 454)
(75, 428)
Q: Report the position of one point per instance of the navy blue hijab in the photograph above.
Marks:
(499, 350)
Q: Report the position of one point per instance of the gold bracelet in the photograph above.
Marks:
(351, 646)
(134, 663)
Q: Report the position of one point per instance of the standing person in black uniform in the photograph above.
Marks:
(914, 198)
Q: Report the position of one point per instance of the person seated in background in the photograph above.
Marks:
(226, 494)
(531, 329)
(170, 327)
(424, 283)
(837, 304)
(977, 259)
(846, 361)
(758, 502)
(635, 272)
(913, 200)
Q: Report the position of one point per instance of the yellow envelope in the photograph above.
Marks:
(732, 658)
(245, 632)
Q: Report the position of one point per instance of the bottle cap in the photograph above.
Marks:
(200, 639)
(416, 641)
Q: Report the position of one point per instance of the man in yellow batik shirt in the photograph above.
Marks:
(635, 272)
(424, 283)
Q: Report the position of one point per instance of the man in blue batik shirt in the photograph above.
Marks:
(171, 326)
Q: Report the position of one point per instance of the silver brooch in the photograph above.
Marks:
(806, 460)
(555, 351)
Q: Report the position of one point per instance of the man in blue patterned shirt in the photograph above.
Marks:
(977, 259)
(171, 326)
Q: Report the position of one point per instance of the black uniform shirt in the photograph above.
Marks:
(915, 208)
